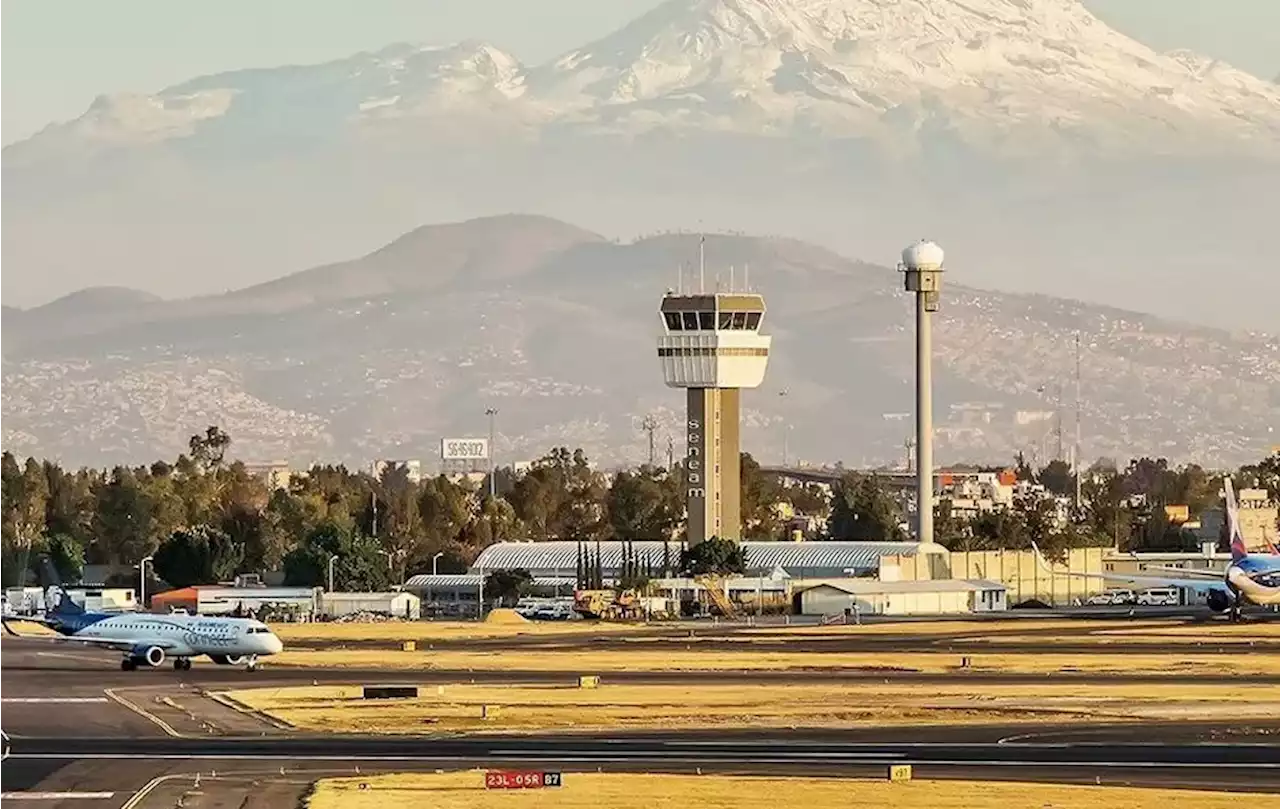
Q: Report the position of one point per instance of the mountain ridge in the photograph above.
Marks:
(563, 347)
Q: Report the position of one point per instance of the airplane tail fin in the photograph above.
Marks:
(65, 605)
(1234, 535)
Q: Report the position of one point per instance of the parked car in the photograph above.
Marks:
(1160, 597)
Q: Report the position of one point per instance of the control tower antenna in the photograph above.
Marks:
(731, 278)
(712, 347)
(746, 277)
(702, 262)
(922, 269)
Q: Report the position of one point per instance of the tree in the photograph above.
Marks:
(359, 566)
(643, 504)
(66, 554)
(1057, 477)
(507, 585)
(760, 493)
(201, 555)
(713, 557)
(862, 509)
(25, 499)
(209, 449)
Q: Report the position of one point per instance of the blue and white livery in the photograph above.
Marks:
(147, 640)
(1252, 578)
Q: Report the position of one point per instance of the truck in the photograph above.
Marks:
(607, 605)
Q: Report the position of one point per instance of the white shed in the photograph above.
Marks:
(871, 597)
(398, 605)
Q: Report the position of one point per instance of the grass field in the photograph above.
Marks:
(542, 707)
(465, 790)
(690, 658)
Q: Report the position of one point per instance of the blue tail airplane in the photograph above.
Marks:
(147, 640)
(1250, 578)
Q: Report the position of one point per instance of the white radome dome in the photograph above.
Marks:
(923, 255)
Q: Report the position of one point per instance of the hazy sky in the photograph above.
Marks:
(58, 54)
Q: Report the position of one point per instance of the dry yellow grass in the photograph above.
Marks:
(393, 631)
(29, 628)
(689, 658)
(465, 790)
(457, 707)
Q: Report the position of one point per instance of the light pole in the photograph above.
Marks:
(142, 581)
(922, 269)
(434, 560)
(492, 413)
(480, 606)
(332, 559)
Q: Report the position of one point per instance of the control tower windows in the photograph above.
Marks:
(707, 321)
(726, 320)
(690, 321)
(753, 320)
(673, 320)
(739, 320)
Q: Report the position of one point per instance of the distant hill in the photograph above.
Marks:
(384, 355)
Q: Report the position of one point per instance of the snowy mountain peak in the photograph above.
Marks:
(975, 68)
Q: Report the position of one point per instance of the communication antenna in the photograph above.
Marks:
(702, 263)
(746, 276)
(731, 278)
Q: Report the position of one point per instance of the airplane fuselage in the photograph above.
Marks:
(148, 639)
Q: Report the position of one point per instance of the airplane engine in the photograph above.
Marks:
(227, 660)
(152, 656)
(1218, 601)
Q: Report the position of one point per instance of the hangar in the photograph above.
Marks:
(559, 558)
(871, 597)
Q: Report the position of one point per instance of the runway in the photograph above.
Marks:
(80, 725)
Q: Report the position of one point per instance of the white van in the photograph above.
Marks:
(1160, 597)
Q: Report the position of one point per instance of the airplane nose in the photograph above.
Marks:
(274, 645)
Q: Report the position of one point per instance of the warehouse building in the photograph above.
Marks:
(457, 595)
(281, 602)
(559, 559)
(395, 605)
(870, 597)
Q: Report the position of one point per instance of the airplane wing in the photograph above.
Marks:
(1185, 579)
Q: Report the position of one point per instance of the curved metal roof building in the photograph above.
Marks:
(810, 559)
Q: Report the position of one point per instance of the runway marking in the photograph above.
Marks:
(53, 699)
(163, 725)
(55, 796)
(79, 658)
(641, 758)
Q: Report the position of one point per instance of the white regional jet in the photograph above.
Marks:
(1249, 578)
(146, 639)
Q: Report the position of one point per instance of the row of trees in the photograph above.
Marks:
(202, 518)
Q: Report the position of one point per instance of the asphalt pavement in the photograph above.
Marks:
(80, 725)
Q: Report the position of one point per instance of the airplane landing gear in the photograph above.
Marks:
(182, 664)
(128, 664)
(251, 663)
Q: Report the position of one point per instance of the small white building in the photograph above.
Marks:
(397, 605)
(872, 597)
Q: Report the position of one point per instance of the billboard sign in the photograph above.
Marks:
(464, 449)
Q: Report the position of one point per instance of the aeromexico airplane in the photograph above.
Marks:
(1250, 578)
(146, 639)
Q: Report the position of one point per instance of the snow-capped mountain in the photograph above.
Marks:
(858, 67)
(1045, 139)
(982, 70)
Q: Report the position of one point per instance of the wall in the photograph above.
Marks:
(1017, 570)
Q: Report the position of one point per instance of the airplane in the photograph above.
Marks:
(147, 639)
(1252, 578)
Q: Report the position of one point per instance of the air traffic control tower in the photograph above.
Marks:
(713, 348)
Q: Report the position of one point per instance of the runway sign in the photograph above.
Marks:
(899, 772)
(520, 779)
